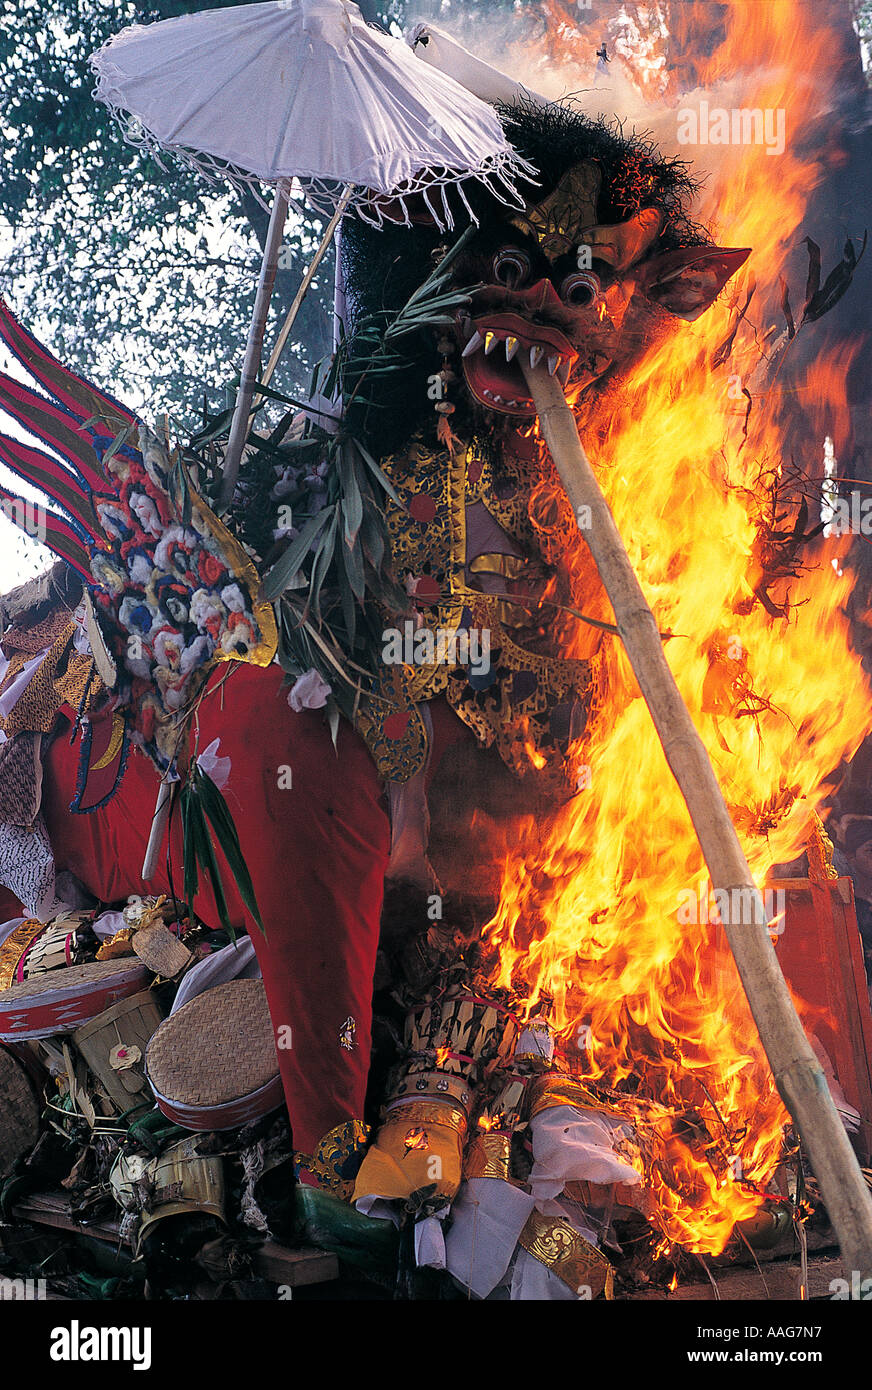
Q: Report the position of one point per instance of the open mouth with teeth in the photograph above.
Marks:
(491, 360)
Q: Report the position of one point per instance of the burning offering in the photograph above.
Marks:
(478, 710)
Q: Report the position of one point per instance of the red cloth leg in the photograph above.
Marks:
(316, 850)
(320, 889)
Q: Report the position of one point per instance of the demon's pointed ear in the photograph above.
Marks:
(687, 282)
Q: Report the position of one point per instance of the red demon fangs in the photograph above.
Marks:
(490, 364)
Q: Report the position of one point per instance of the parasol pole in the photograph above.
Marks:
(306, 282)
(234, 447)
(251, 363)
(798, 1075)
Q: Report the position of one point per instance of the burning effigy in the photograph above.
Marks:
(392, 799)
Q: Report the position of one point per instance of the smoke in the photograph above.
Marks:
(558, 58)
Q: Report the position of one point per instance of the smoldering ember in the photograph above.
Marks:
(436, 720)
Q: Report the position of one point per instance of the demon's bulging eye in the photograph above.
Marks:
(511, 267)
(580, 290)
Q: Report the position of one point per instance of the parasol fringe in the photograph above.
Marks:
(495, 172)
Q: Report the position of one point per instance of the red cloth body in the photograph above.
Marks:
(316, 851)
(9, 906)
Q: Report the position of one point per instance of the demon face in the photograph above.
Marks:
(558, 288)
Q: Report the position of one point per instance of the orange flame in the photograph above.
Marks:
(604, 913)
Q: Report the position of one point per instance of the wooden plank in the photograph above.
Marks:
(746, 1285)
(277, 1263)
(53, 1209)
(295, 1267)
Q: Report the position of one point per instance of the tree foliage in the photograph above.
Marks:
(142, 277)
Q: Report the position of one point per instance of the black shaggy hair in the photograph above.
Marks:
(634, 174)
(382, 268)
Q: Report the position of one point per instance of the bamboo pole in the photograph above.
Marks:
(257, 328)
(158, 830)
(798, 1075)
(242, 415)
(306, 282)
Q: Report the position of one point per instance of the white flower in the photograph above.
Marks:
(204, 607)
(195, 654)
(140, 569)
(231, 595)
(218, 769)
(168, 647)
(146, 513)
(171, 536)
(309, 691)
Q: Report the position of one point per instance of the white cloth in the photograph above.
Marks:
(487, 1218)
(445, 53)
(371, 1204)
(81, 640)
(9, 699)
(573, 1145)
(287, 89)
(107, 924)
(234, 962)
(532, 1281)
(309, 691)
(27, 869)
(215, 767)
(430, 1241)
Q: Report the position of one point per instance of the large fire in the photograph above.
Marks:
(595, 913)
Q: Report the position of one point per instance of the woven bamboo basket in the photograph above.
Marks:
(114, 1043)
(178, 1182)
(213, 1065)
(19, 1113)
(60, 1001)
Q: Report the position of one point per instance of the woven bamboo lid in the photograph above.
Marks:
(218, 1047)
(19, 1113)
(72, 979)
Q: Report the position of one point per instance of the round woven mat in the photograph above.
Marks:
(19, 1113)
(71, 979)
(217, 1048)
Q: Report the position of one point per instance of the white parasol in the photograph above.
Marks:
(302, 90)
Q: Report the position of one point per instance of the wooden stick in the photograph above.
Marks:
(243, 414)
(798, 1075)
(257, 328)
(306, 282)
(158, 829)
